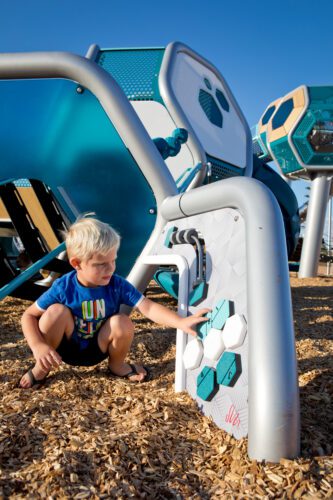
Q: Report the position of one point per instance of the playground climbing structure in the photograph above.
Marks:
(154, 142)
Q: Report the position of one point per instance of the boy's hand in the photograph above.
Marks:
(188, 324)
(46, 356)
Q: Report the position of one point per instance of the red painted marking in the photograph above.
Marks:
(232, 417)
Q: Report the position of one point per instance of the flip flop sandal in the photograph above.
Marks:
(133, 371)
(35, 384)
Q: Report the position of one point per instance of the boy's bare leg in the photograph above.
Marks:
(53, 324)
(115, 337)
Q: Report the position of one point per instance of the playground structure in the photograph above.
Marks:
(296, 131)
(153, 141)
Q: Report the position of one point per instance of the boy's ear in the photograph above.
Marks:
(75, 262)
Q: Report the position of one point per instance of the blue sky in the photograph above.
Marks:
(263, 49)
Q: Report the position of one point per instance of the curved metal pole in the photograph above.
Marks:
(274, 424)
(114, 102)
(183, 269)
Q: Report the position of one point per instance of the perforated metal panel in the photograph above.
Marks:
(22, 183)
(135, 70)
(221, 170)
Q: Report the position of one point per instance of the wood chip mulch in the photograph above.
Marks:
(84, 435)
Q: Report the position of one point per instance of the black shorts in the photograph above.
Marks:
(78, 352)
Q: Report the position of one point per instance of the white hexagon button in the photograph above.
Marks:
(234, 331)
(213, 344)
(193, 354)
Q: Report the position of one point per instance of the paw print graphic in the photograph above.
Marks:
(212, 105)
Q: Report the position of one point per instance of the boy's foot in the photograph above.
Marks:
(33, 378)
(133, 373)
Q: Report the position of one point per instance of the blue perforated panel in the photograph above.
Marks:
(135, 70)
(22, 183)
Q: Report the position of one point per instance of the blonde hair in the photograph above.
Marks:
(89, 236)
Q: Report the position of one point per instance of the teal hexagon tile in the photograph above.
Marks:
(228, 369)
(221, 313)
(217, 318)
(207, 386)
(204, 327)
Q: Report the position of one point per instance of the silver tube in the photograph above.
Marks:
(182, 265)
(329, 234)
(88, 74)
(315, 220)
(93, 51)
(274, 424)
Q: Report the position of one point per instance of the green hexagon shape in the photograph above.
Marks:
(228, 369)
(207, 386)
(216, 318)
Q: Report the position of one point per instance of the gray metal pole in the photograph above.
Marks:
(329, 235)
(274, 426)
(315, 220)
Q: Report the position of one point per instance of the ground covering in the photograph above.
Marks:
(87, 436)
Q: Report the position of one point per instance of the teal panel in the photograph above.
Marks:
(221, 313)
(169, 281)
(263, 138)
(198, 294)
(321, 95)
(285, 156)
(216, 318)
(206, 384)
(50, 132)
(228, 369)
(167, 241)
(204, 328)
(135, 70)
(313, 137)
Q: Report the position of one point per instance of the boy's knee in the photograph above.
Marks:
(120, 323)
(57, 311)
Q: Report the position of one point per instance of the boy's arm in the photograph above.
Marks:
(164, 316)
(43, 353)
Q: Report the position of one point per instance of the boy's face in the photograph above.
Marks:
(96, 271)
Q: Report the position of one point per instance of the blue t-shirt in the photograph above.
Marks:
(90, 306)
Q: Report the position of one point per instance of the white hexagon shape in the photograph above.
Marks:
(193, 354)
(213, 344)
(234, 331)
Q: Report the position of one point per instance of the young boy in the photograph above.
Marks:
(78, 321)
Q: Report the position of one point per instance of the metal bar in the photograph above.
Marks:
(30, 272)
(183, 269)
(329, 235)
(315, 220)
(274, 422)
(93, 52)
